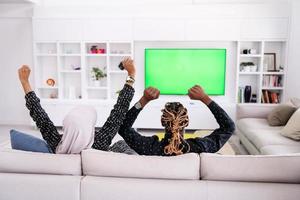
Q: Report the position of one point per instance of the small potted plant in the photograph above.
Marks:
(98, 74)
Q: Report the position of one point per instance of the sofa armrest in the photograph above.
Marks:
(254, 110)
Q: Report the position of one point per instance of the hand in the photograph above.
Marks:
(24, 73)
(129, 66)
(197, 93)
(150, 94)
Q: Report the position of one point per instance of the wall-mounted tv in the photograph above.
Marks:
(174, 71)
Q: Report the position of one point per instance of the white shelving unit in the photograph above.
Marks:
(263, 82)
(70, 63)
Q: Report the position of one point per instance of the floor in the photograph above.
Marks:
(4, 136)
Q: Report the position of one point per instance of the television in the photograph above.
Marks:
(174, 71)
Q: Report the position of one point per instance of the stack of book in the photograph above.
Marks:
(270, 97)
(272, 81)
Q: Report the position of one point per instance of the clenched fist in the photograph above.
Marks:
(151, 93)
(197, 93)
(129, 66)
(24, 73)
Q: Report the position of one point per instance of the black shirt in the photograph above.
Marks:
(150, 145)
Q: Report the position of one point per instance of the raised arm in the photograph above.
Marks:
(143, 145)
(104, 136)
(37, 113)
(213, 142)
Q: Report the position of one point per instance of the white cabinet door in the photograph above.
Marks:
(212, 30)
(57, 29)
(158, 29)
(264, 28)
(111, 29)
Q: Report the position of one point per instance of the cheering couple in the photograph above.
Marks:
(79, 124)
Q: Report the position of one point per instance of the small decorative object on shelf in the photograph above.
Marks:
(53, 95)
(98, 74)
(248, 67)
(75, 67)
(253, 98)
(249, 51)
(50, 82)
(270, 62)
(95, 50)
(247, 93)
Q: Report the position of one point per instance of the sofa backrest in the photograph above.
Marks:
(100, 163)
(15, 161)
(262, 168)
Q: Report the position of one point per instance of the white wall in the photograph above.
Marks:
(15, 49)
(293, 83)
(16, 33)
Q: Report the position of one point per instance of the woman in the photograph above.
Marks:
(79, 125)
(175, 119)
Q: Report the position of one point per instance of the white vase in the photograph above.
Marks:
(97, 83)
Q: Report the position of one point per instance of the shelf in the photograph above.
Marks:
(69, 54)
(70, 71)
(117, 72)
(45, 54)
(249, 73)
(96, 88)
(95, 55)
(273, 73)
(57, 60)
(250, 55)
(272, 88)
(120, 55)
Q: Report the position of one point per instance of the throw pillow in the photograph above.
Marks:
(25, 142)
(280, 115)
(292, 128)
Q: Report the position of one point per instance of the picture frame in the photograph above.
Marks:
(270, 62)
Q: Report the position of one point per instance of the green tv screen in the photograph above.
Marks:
(174, 71)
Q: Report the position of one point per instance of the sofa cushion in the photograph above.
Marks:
(294, 102)
(249, 124)
(280, 115)
(260, 134)
(279, 168)
(292, 128)
(100, 163)
(15, 161)
(279, 149)
(39, 187)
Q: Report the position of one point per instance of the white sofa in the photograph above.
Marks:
(257, 136)
(95, 175)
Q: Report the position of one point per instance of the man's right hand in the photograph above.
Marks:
(24, 73)
(197, 93)
(150, 94)
(129, 66)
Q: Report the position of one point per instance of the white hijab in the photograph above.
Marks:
(78, 130)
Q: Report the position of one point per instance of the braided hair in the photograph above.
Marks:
(175, 119)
